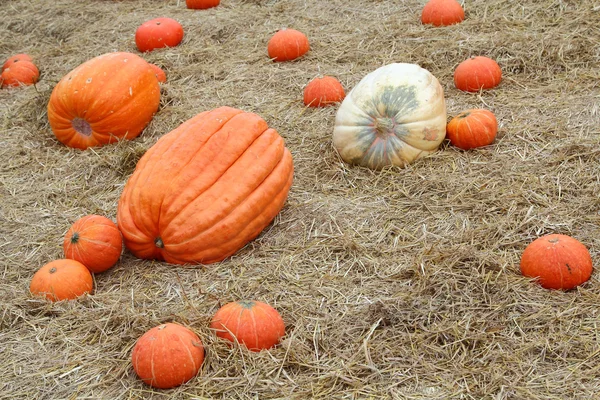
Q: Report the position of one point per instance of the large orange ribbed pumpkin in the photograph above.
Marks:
(205, 189)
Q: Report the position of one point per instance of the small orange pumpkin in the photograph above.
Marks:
(321, 92)
(254, 324)
(16, 58)
(442, 13)
(287, 44)
(158, 33)
(472, 128)
(167, 356)
(95, 241)
(477, 73)
(110, 97)
(559, 261)
(201, 4)
(62, 280)
(159, 72)
(19, 73)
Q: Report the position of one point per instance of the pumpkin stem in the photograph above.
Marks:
(159, 243)
(82, 126)
(383, 126)
(52, 270)
(554, 240)
(75, 238)
(464, 115)
(246, 303)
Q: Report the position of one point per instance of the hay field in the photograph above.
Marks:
(398, 284)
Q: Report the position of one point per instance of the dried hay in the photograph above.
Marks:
(395, 284)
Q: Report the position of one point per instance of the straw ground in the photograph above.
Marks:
(397, 284)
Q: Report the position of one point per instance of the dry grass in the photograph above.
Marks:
(397, 284)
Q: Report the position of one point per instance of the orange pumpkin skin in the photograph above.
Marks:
(16, 58)
(94, 241)
(201, 4)
(254, 324)
(442, 13)
(477, 73)
(167, 356)
(19, 73)
(158, 33)
(110, 97)
(160, 74)
(559, 261)
(472, 128)
(205, 189)
(321, 92)
(62, 280)
(287, 44)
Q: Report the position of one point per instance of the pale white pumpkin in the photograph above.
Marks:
(395, 115)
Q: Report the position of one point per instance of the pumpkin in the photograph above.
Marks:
(19, 73)
(94, 241)
(393, 116)
(205, 189)
(107, 98)
(254, 324)
(16, 58)
(442, 13)
(477, 73)
(558, 261)
(323, 91)
(472, 128)
(287, 44)
(201, 4)
(158, 33)
(62, 280)
(160, 74)
(167, 355)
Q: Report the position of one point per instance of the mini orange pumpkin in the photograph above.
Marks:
(321, 92)
(472, 128)
(110, 97)
(19, 73)
(477, 73)
(254, 324)
(167, 356)
(442, 12)
(158, 33)
(16, 58)
(160, 74)
(201, 4)
(94, 241)
(62, 280)
(287, 44)
(559, 261)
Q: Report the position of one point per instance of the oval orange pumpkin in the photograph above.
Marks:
(62, 280)
(16, 58)
(167, 356)
(201, 4)
(321, 92)
(19, 73)
(160, 74)
(158, 33)
(472, 128)
(287, 44)
(94, 241)
(205, 189)
(254, 324)
(559, 261)
(442, 12)
(107, 98)
(477, 73)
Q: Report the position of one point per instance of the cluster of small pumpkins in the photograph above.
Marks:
(211, 185)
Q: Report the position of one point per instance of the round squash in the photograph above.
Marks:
(201, 4)
(287, 44)
(159, 72)
(158, 33)
(205, 189)
(110, 97)
(254, 324)
(62, 280)
(442, 13)
(477, 73)
(395, 115)
(94, 241)
(472, 128)
(558, 261)
(167, 356)
(16, 58)
(321, 92)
